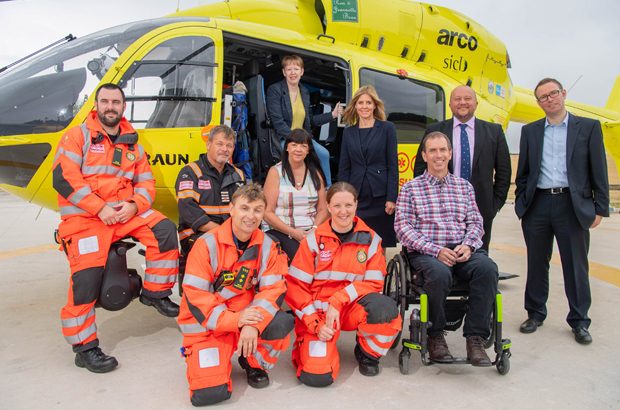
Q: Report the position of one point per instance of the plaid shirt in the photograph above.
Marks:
(432, 213)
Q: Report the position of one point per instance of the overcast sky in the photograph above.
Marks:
(565, 39)
(561, 38)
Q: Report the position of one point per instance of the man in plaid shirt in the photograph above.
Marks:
(438, 223)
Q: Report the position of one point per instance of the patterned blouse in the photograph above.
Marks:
(296, 207)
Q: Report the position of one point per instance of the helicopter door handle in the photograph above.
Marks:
(333, 39)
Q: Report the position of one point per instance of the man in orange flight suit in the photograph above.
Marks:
(106, 190)
(335, 283)
(232, 292)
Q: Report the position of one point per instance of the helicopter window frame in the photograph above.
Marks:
(406, 135)
(173, 84)
(129, 75)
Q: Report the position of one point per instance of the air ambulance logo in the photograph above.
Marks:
(361, 256)
(97, 148)
(130, 156)
(325, 255)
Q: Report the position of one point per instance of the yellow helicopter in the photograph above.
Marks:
(177, 73)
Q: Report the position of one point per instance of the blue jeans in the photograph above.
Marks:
(323, 154)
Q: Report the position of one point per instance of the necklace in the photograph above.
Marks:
(303, 179)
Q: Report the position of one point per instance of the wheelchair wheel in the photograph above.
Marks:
(503, 364)
(395, 286)
(390, 287)
(403, 361)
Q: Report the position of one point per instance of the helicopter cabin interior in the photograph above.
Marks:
(184, 68)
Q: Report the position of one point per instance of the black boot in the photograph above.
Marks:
(95, 360)
(257, 378)
(369, 366)
(163, 305)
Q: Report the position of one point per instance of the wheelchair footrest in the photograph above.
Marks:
(410, 345)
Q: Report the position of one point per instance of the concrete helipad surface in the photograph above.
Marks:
(548, 368)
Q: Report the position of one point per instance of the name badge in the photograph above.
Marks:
(241, 278)
(118, 156)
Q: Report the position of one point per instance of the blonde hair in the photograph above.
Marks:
(350, 116)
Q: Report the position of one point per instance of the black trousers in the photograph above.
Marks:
(288, 244)
(552, 216)
(481, 273)
(486, 238)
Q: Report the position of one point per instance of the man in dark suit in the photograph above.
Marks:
(480, 155)
(562, 191)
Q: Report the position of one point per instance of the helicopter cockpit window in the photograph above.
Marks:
(410, 104)
(45, 92)
(172, 86)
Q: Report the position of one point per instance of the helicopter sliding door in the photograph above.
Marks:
(171, 89)
(258, 64)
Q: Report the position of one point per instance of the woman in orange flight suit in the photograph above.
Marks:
(334, 283)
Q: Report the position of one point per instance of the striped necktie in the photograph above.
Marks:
(465, 156)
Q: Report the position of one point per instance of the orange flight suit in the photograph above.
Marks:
(208, 316)
(348, 276)
(89, 172)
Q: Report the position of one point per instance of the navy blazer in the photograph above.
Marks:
(491, 166)
(380, 165)
(281, 112)
(585, 162)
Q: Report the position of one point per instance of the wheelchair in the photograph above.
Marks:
(404, 286)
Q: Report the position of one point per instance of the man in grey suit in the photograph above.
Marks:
(562, 191)
(479, 154)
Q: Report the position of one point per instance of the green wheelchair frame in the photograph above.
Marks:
(400, 285)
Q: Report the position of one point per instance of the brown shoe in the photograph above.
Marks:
(476, 354)
(438, 349)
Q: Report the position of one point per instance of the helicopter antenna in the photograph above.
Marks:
(178, 5)
(575, 83)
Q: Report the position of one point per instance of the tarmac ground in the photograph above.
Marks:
(548, 368)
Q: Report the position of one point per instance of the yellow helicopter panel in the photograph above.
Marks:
(175, 72)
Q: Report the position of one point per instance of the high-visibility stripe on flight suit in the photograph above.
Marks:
(90, 171)
(208, 317)
(203, 196)
(349, 276)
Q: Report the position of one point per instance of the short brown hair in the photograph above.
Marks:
(252, 192)
(350, 116)
(341, 187)
(434, 135)
(547, 80)
(228, 132)
(292, 59)
(110, 86)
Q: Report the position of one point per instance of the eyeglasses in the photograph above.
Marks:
(552, 94)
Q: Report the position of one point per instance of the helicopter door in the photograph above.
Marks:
(172, 90)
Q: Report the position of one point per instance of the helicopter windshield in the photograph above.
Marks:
(44, 93)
